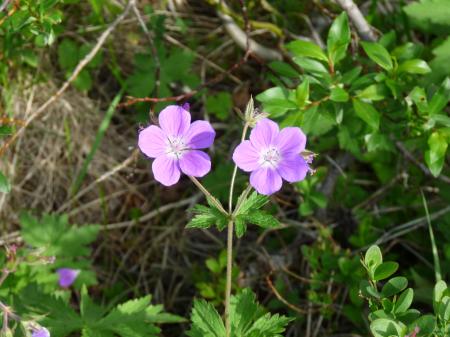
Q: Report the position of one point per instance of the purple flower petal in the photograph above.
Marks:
(266, 181)
(246, 157)
(291, 140)
(174, 120)
(293, 168)
(200, 135)
(166, 170)
(41, 332)
(264, 133)
(195, 163)
(152, 141)
(67, 276)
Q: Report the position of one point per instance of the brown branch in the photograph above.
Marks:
(420, 165)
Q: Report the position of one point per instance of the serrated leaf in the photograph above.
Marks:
(206, 321)
(261, 218)
(253, 202)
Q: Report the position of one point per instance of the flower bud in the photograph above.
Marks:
(252, 115)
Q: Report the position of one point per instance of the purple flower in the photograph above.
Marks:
(41, 332)
(272, 155)
(175, 145)
(67, 276)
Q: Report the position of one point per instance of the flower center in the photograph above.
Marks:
(176, 147)
(270, 157)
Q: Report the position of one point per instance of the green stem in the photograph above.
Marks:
(230, 245)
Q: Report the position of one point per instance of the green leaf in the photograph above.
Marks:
(394, 286)
(438, 293)
(415, 66)
(68, 54)
(338, 95)
(312, 66)
(5, 186)
(254, 202)
(367, 113)
(373, 257)
(378, 54)
(306, 49)
(385, 327)
(206, 321)
(205, 217)
(219, 105)
(240, 225)
(430, 15)
(368, 290)
(404, 301)
(338, 38)
(440, 99)
(261, 218)
(385, 270)
(54, 234)
(435, 156)
(426, 324)
(302, 93)
(374, 92)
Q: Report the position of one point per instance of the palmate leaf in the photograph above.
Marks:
(206, 217)
(206, 321)
(249, 213)
(248, 319)
(54, 233)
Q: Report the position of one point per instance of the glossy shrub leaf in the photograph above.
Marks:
(367, 113)
(338, 38)
(385, 327)
(306, 49)
(373, 257)
(338, 95)
(378, 54)
(426, 324)
(5, 186)
(441, 97)
(438, 293)
(302, 93)
(368, 290)
(384, 270)
(312, 66)
(404, 301)
(374, 92)
(394, 286)
(435, 156)
(415, 66)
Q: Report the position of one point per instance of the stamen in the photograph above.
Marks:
(176, 147)
(270, 157)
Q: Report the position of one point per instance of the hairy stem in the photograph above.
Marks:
(229, 277)
(230, 245)
(208, 195)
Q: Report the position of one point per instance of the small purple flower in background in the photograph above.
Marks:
(272, 155)
(41, 332)
(175, 145)
(67, 276)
